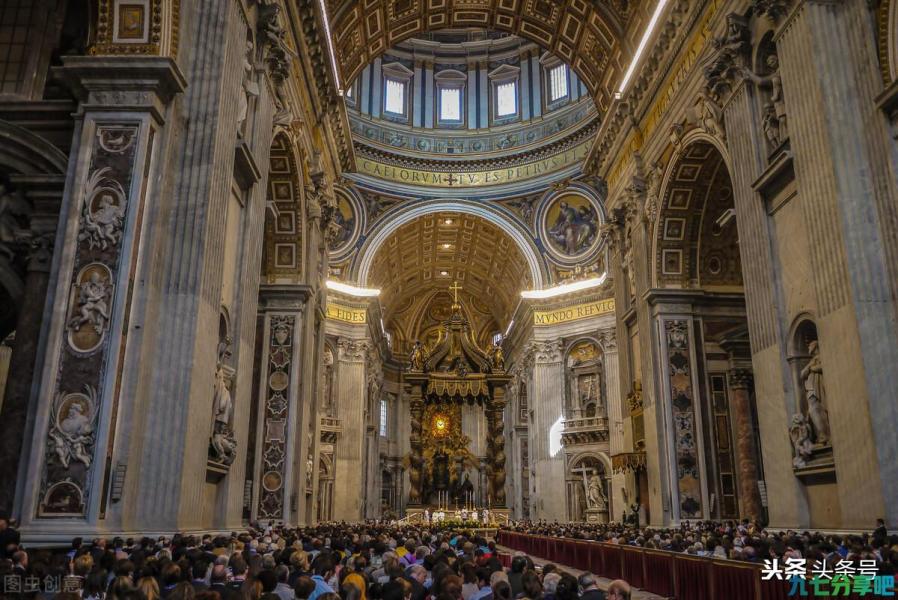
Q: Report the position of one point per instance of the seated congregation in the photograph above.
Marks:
(374, 561)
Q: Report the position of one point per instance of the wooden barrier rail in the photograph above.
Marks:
(668, 574)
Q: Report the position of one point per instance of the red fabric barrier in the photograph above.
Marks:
(596, 559)
(632, 567)
(691, 578)
(734, 581)
(611, 557)
(659, 572)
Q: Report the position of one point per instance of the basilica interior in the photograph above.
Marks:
(302, 261)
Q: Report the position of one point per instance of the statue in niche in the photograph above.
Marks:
(595, 497)
(93, 297)
(223, 443)
(417, 357)
(250, 87)
(800, 434)
(775, 109)
(812, 376)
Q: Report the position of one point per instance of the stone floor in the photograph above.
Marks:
(603, 581)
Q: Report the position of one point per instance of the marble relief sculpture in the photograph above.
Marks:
(73, 426)
(92, 304)
(800, 434)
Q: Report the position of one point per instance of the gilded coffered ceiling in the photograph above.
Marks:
(584, 34)
(416, 265)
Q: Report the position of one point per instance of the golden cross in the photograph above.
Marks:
(454, 289)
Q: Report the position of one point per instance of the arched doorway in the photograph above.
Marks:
(705, 353)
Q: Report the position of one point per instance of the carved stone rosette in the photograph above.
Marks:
(281, 330)
(70, 462)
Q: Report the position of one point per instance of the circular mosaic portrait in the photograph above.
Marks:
(345, 226)
(569, 225)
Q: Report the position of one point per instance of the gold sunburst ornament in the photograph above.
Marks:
(440, 425)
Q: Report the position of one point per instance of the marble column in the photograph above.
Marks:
(96, 272)
(746, 453)
(546, 456)
(496, 423)
(416, 406)
(350, 393)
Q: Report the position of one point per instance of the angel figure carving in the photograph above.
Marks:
(417, 357)
(93, 296)
(102, 226)
(72, 433)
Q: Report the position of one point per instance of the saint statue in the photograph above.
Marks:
(812, 376)
(497, 357)
(250, 87)
(222, 442)
(595, 497)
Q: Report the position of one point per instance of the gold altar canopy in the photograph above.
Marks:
(455, 371)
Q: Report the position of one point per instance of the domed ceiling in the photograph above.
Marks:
(416, 265)
(516, 114)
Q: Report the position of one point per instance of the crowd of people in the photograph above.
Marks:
(736, 540)
(327, 562)
(375, 561)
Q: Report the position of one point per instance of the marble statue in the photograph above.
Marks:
(92, 304)
(776, 128)
(812, 376)
(222, 442)
(417, 357)
(250, 87)
(595, 497)
(800, 434)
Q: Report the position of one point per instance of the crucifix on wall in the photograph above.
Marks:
(454, 289)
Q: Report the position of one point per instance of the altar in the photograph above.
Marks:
(452, 377)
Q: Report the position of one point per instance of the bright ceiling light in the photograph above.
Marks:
(641, 48)
(446, 246)
(351, 290)
(448, 221)
(330, 47)
(566, 288)
(444, 273)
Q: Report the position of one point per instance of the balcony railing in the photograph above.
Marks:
(584, 430)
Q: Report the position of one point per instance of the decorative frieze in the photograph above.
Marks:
(69, 469)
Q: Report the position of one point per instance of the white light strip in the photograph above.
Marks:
(641, 47)
(330, 47)
(351, 289)
(566, 288)
(508, 329)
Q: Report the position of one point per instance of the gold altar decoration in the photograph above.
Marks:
(450, 387)
(455, 371)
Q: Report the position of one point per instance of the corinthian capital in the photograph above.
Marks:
(352, 350)
(608, 340)
(546, 352)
